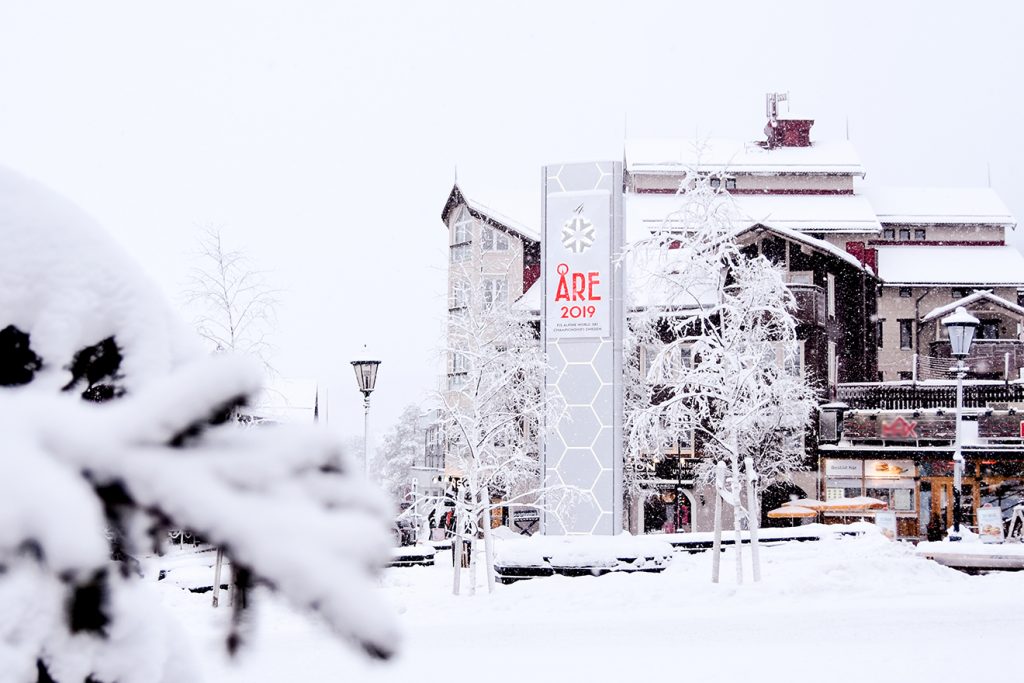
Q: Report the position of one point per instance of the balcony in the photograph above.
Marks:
(917, 395)
(810, 304)
(989, 358)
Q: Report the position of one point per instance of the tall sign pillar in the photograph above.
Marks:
(583, 318)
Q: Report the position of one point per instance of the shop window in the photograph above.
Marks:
(889, 233)
(906, 292)
(919, 234)
(904, 234)
(906, 334)
(493, 240)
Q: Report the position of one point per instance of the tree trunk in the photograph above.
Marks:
(753, 518)
(736, 517)
(716, 546)
(488, 541)
(218, 563)
(457, 547)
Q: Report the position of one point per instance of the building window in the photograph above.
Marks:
(831, 281)
(462, 227)
(833, 364)
(878, 333)
(495, 293)
(919, 234)
(460, 294)
(906, 334)
(716, 182)
(904, 234)
(906, 375)
(493, 240)
(460, 363)
(960, 292)
(800, 277)
(730, 183)
(888, 233)
(461, 253)
(906, 292)
(881, 376)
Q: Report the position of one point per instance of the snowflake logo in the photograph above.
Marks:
(578, 232)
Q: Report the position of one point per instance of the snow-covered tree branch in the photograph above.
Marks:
(116, 427)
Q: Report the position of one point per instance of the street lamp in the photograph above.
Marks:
(960, 326)
(366, 377)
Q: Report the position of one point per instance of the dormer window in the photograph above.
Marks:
(462, 227)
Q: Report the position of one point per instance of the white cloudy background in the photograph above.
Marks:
(322, 136)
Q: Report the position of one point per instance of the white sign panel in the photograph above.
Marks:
(990, 524)
(885, 469)
(578, 252)
(844, 468)
(886, 521)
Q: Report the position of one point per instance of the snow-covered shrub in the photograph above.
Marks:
(115, 427)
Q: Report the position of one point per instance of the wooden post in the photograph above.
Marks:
(216, 576)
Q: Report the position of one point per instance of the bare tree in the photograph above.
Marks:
(722, 342)
(490, 412)
(234, 304)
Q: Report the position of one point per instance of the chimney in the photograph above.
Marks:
(785, 132)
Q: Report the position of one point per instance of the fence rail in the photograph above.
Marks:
(910, 396)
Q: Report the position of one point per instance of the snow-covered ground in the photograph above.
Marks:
(854, 609)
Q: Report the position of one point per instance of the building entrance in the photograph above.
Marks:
(937, 500)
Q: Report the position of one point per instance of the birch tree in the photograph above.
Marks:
(723, 342)
(489, 414)
(233, 303)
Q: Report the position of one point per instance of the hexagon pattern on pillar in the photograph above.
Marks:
(580, 449)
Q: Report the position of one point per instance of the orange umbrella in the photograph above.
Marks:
(811, 503)
(791, 512)
(857, 504)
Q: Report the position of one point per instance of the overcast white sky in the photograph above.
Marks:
(322, 136)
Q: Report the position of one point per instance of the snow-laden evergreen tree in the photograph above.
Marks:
(489, 412)
(116, 426)
(719, 336)
(403, 446)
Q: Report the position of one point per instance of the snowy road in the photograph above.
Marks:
(851, 610)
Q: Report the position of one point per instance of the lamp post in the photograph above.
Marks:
(366, 377)
(960, 326)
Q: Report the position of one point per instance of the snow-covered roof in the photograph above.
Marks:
(926, 265)
(523, 205)
(674, 155)
(967, 301)
(808, 213)
(530, 300)
(938, 205)
(287, 400)
(813, 242)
